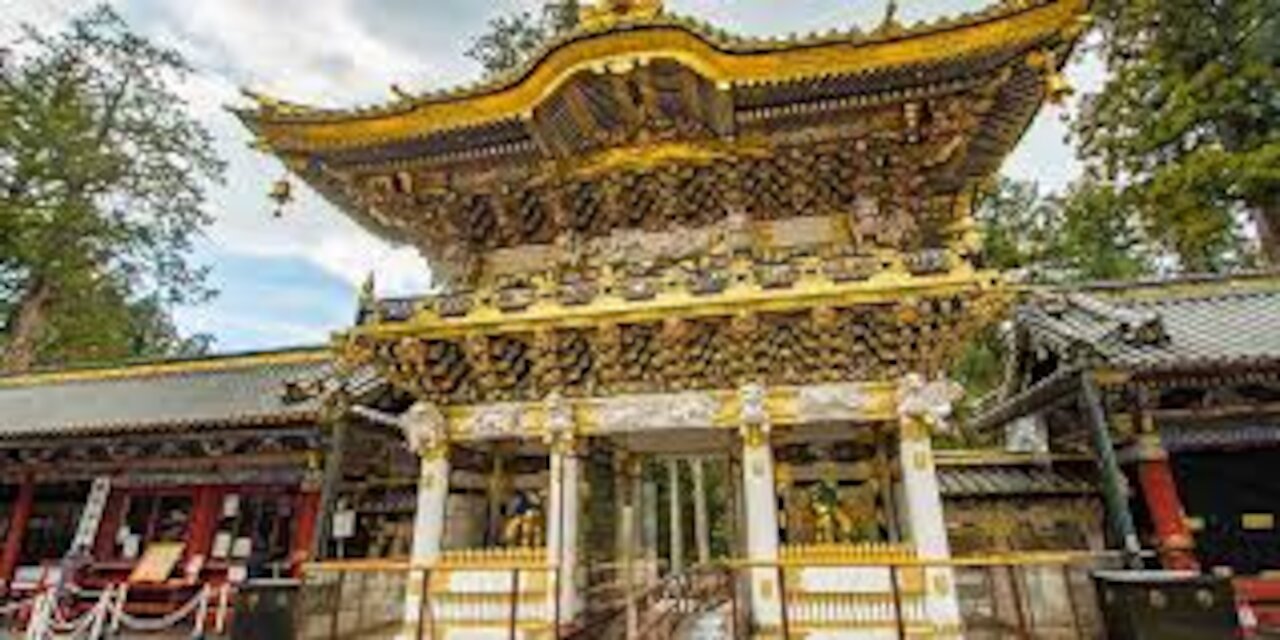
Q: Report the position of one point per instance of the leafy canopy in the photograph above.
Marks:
(512, 39)
(1188, 122)
(103, 178)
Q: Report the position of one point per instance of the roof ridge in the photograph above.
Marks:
(286, 110)
(162, 367)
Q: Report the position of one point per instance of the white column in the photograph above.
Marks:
(702, 536)
(649, 529)
(761, 509)
(428, 529)
(677, 524)
(426, 433)
(923, 407)
(562, 525)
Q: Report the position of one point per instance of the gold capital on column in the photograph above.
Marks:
(754, 435)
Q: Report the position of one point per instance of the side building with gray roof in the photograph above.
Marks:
(1173, 388)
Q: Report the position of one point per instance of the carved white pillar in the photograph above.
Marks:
(563, 498)
(923, 407)
(426, 434)
(649, 529)
(761, 508)
(677, 524)
(702, 535)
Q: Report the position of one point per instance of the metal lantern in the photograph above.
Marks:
(282, 194)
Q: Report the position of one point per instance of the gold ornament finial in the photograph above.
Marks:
(605, 13)
(1057, 87)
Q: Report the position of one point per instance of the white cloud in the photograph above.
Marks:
(345, 52)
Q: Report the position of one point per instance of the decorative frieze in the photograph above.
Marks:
(672, 352)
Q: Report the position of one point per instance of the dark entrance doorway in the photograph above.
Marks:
(1234, 496)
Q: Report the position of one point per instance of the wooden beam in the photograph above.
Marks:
(1209, 414)
(1059, 387)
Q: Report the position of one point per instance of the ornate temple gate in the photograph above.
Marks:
(655, 233)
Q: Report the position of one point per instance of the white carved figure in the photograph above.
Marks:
(653, 412)
(929, 400)
(752, 395)
(830, 402)
(494, 421)
(424, 427)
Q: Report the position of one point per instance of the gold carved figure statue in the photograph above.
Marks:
(832, 522)
(525, 524)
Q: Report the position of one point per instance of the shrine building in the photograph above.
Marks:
(674, 265)
(655, 239)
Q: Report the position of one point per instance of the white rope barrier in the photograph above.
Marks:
(88, 626)
(108, 615)
(220, 620)
(48, 623)
(199, 602)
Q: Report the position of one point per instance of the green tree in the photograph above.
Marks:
(1087, 233)
(511, 39)
(103, 177)
(1188, 123)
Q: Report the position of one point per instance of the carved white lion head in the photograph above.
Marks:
(424, 427)
(928, 400)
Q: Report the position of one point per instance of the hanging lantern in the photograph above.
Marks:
(282, 194)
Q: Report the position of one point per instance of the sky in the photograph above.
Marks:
(293, 280)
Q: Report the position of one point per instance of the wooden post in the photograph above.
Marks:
(332, 479)
(105, 546)
(22, 507)
(1113, 482)
(676, 521)
(702, 535)
(1160, 492)
(205, 512)
(307, 510)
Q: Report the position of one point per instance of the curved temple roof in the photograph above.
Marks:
(627, 39)
(640, 120)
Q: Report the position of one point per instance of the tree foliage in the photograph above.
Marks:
(1086, 233)
(103, 178)
(1188, 123)
(511, 39)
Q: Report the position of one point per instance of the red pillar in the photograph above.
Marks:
(17, 528)
(104, 547)
(206, 507)
(1160, 491)
(307, 507)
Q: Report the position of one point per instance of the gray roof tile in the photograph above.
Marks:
(209, 393)
(1205, 328)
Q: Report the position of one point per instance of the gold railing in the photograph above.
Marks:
(1021, 595)
(499, 589)
(1046, 595)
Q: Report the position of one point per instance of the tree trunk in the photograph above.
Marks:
(24, 327)
(1266, 215)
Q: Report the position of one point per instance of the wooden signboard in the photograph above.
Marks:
(157, 562)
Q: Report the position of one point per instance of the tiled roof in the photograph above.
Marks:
(1001, 479)
(1160, 329)
(211, 392)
